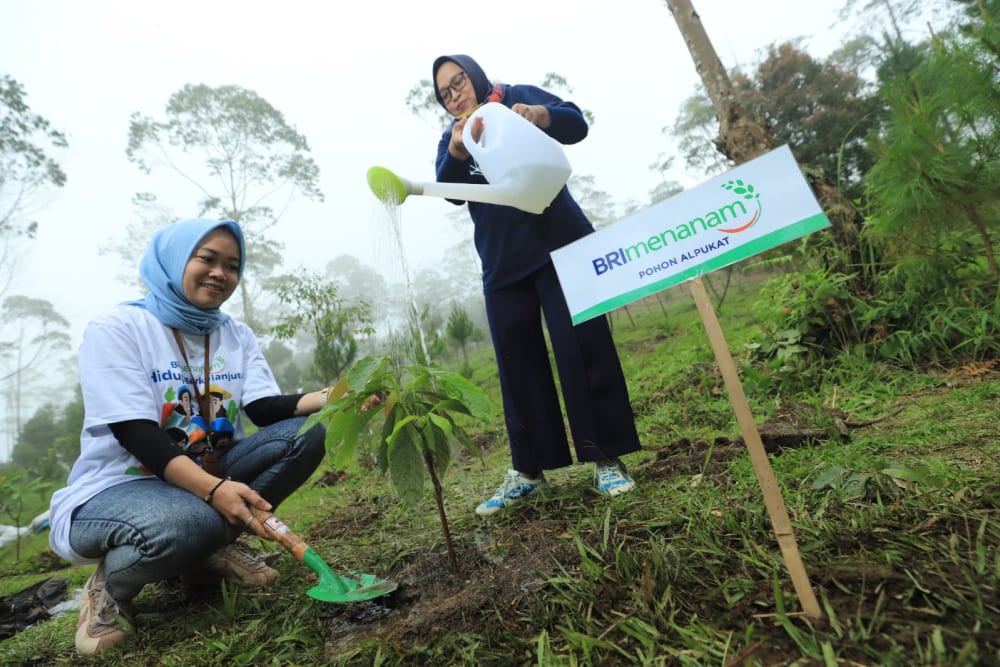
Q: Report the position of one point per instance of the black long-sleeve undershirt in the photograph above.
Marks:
(146, 441)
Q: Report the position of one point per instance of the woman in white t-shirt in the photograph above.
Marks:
(138, 504)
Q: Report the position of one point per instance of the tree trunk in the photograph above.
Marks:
(663, 309)
(984, 234)
(741, 138)
(629, 313)
(439, 499)
(720, 295)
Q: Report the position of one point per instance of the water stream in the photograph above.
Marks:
(399, 328)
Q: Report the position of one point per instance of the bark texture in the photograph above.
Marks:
(741, 138)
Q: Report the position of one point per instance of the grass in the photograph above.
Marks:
(895, 522)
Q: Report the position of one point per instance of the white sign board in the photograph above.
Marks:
(749, 209)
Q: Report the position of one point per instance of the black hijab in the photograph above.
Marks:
(480, 83)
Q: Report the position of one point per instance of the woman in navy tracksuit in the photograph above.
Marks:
(520, 284)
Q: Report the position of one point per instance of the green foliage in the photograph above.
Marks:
(803, 316)
(682, 570)
(239, 153)
(953, 325)
(424, 412)
(287, 371)
(886, 481)
(49, 441)
(897, 523)
(935, 183)
(230, 602)
(938, 309)
(65, 447)
(33, 338)
(924, 288)
(320, 313)
(36, 438)
(240, 134)
(21, 493)
(422, 417)
(934, 209)
(695, 129)
(25, 163)
(461, 329)
(821, 110)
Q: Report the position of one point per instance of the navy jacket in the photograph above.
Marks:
(513, 243)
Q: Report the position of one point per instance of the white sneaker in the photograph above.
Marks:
(515, 487)
(611, 478)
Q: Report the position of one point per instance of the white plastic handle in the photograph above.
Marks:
(488, 112)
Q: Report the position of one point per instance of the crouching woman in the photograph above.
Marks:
(149, 500)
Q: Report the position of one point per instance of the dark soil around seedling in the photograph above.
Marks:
(504, 570)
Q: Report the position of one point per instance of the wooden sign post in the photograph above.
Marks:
(758, 455)
(753, 207)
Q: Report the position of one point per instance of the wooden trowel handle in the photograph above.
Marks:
(277, 529)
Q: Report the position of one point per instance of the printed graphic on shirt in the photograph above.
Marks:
(180, 415)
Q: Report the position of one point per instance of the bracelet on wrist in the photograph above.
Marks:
(211, 494)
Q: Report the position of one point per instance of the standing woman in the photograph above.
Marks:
(138, 504)
(520, 285)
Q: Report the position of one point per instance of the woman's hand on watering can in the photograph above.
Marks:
(457, 144)
(536, 114)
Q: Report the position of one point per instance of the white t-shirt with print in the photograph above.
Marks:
(131, 368)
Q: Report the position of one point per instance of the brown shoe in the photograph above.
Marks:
(200, 577)
(99, 627)
(240, 563)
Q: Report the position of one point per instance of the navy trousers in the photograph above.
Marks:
(590, 375)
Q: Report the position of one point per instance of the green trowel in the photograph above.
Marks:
(331, 587)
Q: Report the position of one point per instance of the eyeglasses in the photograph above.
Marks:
(457, 84)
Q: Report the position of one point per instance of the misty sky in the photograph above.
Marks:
(340, 73)
(340, 77)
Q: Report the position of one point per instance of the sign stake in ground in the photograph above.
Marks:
(780, 523)
(753, 207)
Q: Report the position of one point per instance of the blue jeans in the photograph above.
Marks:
(148, 530)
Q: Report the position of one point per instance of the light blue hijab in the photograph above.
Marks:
(162, 269)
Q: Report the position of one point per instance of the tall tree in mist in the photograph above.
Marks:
(241, 157)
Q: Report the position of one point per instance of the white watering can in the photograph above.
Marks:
(524, 167)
